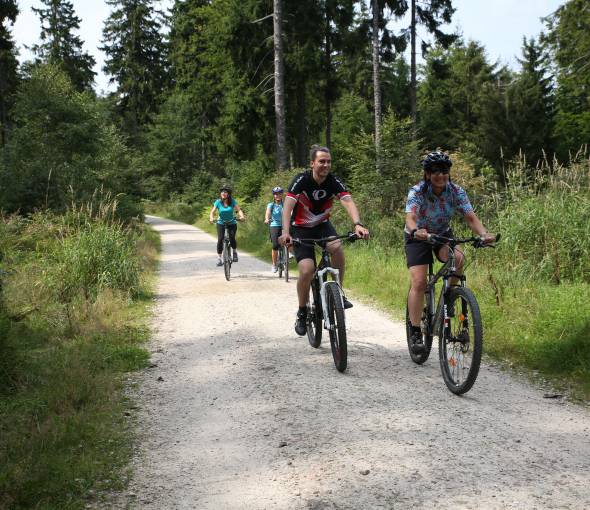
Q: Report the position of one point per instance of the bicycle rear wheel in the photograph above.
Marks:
(226, 260)
(286, 262)
(280, 263)
(335, 312)
(461, 341)
(314, 315)
(426, 338)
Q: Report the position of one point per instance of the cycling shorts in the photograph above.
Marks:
(419, 253)
(308, 252)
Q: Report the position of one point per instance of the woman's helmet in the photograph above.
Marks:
(225, 188)
(277, 189)
(436, 158)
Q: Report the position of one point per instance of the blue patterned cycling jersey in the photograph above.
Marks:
(434, 212)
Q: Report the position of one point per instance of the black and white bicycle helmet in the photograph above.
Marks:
(436, 158)
(277, 189)
(225, 188)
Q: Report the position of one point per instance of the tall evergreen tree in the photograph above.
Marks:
(60, 45)
(568, 38)
(279, 86)
(431, 14)
(136, 60)
(8, 65)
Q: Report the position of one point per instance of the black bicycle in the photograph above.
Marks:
(226, 254)
(326, 302)
(455, 319)
(283, 262)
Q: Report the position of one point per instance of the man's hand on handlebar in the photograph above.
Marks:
(361, 232)
(285, 239)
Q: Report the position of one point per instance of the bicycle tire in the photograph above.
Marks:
(286, 261)
(427, 339)
(226, 261)
(335, 312)
(280, 263)
(314, 316)
(461, 341)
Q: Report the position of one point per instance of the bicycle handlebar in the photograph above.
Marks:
(477, 241)
(350, 236)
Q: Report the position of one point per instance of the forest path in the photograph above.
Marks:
(240, 413)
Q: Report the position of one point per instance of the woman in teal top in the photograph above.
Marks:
(225, 206)
(274, 219)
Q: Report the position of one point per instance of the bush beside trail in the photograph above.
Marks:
(73, 319)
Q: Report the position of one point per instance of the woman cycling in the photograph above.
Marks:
(274, 219)
(429, 208)
(226, 206)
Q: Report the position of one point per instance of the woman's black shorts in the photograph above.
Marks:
(325, 229)
(419, 253)
(275, 233)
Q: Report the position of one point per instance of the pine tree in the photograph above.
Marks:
(431, 15)
(60, 46)
(8, 65)
(568, 39)
(136, 61)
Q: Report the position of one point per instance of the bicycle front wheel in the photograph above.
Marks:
(335, 313)
(286, 262)
(280, 263)
(314, 315)
(461, 341)
(227, 260)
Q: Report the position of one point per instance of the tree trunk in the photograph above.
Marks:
(413, 66)
(301, 156)
(328, 96)
(282, 156)
(376, 81)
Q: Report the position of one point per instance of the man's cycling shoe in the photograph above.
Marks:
(219, 263)
(347, 303)
(300, 323)
(418, 346)
(235, 257)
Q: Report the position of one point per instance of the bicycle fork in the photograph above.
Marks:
(321, 275)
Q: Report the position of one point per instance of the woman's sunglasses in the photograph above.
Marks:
(439, 170)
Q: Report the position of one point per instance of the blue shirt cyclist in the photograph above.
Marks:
(226, 206)
(274, 219)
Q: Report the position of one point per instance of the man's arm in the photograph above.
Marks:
(352, 210)
(288, 207)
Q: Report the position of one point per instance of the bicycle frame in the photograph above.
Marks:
(321, 274)
(447, 271)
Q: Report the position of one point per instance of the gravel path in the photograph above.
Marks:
(240, 413)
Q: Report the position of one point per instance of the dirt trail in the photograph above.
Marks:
(240, 413)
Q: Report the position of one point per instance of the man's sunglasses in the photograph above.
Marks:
(439, 170)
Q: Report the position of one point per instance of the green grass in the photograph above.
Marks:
(64, 418)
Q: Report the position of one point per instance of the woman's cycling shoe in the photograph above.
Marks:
(418, 346)
(235, 257)
(219, 263)
(347, 303)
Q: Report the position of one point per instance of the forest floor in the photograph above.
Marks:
(238, 412)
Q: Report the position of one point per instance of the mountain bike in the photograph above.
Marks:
(283, 262)
(326, 302)
(455, 319)
(226, 254)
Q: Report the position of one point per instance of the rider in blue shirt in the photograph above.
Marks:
(226, 206)
(274, 219)
(429, 208)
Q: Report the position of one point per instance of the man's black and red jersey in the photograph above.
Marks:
(314, 201)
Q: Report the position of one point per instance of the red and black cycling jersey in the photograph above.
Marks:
(313, 200)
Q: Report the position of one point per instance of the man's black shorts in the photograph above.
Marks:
(325, 229)
(275, 233)
(419, 253)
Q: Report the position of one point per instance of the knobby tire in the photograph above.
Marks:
(314, 315)
(461, 342)
(226, 260)
(335, 312)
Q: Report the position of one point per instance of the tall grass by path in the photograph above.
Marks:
(65, 349)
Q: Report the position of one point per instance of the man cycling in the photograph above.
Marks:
(274, 219)
(429, 209)
(305, 215)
